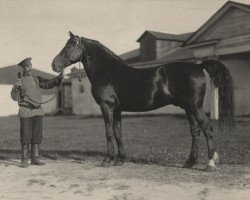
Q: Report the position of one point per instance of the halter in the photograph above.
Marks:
(78, 44)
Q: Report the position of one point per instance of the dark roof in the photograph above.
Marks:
(166, 36)
(179, 54)
(214, 18)
(131, 55)
(8, 74)
(239, 5)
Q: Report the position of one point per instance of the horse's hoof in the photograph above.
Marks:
(210, 169)
(118, 162)
(105, 164)
(188, 164)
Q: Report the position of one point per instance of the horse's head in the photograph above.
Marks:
(70, 54)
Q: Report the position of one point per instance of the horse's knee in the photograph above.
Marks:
(209, 126)
(207, 129)
(109, 131)
(196, 132)
(109, 137)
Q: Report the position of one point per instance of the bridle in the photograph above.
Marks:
(78, 47)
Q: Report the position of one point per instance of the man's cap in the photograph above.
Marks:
(24, 62)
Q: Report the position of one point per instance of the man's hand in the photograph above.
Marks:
(17, 84)
(62, 74)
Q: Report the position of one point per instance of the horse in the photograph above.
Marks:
(118, 87)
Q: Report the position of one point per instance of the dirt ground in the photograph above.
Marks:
(71, 179)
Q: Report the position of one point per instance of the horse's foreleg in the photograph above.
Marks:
(207, 129)
(107, 112)
(195, 132)
(118, 137)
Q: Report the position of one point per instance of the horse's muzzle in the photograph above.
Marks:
(55, 68)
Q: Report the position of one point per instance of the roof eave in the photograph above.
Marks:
(205, 43)
(139, 39)
(150, 32)
(212, 19)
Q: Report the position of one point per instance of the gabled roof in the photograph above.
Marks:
(166, 36)
(131, 55)
(214, 18)
(8, 74)
(179, 54)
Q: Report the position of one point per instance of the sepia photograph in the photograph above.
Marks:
(125, 99)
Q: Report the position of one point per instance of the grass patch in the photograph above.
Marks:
(147, 139)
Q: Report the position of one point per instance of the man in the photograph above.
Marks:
(27, 92)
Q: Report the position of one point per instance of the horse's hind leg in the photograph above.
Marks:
(107, 112)
(195, 132)
(118, 137)
(207, 129)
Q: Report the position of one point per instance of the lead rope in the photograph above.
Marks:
(56, 93)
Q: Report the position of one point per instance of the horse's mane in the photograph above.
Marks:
(97, 44)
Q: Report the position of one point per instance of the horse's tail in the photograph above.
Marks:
(222, 79)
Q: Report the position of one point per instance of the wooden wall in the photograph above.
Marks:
(148, 48)
(239, 68)
(83, 101)
(234, 22)
(164, 46)
(67, 99)
(151, 48)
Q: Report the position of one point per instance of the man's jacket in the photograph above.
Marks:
(29, 95)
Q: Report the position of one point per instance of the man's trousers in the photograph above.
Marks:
(31, 131)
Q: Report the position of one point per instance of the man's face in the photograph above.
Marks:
(27, 69)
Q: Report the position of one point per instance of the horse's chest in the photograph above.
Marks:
(104, 94)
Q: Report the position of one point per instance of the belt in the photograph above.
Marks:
(30, 107)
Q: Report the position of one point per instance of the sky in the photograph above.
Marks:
(39, 29)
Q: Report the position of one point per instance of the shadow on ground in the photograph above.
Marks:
(6, 154)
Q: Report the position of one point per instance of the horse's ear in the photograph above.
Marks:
(71, 35)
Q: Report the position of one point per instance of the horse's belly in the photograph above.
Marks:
(138, 104)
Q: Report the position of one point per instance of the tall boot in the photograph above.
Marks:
(24, 155)
(35, 155)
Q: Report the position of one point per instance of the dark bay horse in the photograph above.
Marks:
(117, 87)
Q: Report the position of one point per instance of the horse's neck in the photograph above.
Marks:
(107, 60)
(92, 69)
